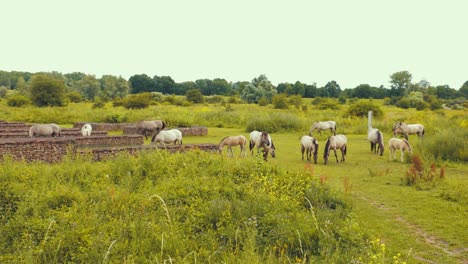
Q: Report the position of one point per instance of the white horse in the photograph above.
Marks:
(323, 126)
(45, 130)
(408, 129)
(167, 137)
(264, 141)
(395, 144)
(376, 140)
(309, 145)
(231, 141)
(335, 142)
(86, 130)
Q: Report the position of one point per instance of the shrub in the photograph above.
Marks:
(279, 101)
(194, 96)
(3, 91)
(420, 172)
(18, 100)
(215, 99)
(263, 101)
(328, 103)
(138, 101)
(74, 97)
(295, 100)
(361, 109)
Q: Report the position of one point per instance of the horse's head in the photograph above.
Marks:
(264, 139)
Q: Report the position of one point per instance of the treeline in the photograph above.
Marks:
(79, 86)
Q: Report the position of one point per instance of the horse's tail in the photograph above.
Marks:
(31, 133)
(379, 137)
(315, 147)
(422, 131)
(327, 147)
(345, 148)
(251, 144)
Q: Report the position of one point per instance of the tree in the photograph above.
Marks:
(141, 83)
(164, 84)
(400, 81)
(89, 87)
(260, 87)
(47, 90)
(332, 89)
(464, 90)
(113, 87)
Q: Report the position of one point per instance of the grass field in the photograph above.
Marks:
(418, 222)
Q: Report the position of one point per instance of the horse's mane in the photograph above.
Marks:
(379, 137)
(163, 125)
(407, 144)
(222, 140)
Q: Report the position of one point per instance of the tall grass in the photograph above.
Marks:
(160, 207)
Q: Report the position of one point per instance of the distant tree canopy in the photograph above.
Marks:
(80, 86)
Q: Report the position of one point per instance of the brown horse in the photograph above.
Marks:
(231, 141)
(152, 126)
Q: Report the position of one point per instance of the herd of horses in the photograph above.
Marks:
(262, 141)
(310, 145)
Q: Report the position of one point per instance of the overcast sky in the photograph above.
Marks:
(351, 42)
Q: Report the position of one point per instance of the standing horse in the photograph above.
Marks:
(231, 141)
(152, 126)
(376, 140)
(407, 129)
(402, 144)
(335, 142)
(262, 140)
(86, 130)
(167, 136)
(310, 145)
(45, 130)
(323, 126)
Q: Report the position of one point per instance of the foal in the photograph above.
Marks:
(231, 141)
(401, 144)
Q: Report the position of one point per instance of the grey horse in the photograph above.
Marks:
(152, 126)
(45, 130)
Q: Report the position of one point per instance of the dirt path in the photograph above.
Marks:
(418, 232)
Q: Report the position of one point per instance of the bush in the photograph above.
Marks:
(279, 101)
(328, 103)
(194, 96)
(18, 100)
(138, 101)
(295, 100)
(361, 109)
(74, 97)
(263, 101)
(3, 91)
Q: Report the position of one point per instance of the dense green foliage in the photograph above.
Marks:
(47, 90)
(179, 207)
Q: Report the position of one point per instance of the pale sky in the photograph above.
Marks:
(351, 42)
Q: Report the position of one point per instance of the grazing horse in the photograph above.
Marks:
(231, 141)
(407, 129)
(86, 130)
(262, 140)
(376, 140)
(402, 144)
(335, 142)
(152, 126)
(45, 130)
(323, 126)
(310, 145)
(164, 137)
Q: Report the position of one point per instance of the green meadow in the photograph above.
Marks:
(208, 208)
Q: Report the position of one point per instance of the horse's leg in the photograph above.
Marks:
(302, 151)
(309, 152)
(401, 154)
(336, 156)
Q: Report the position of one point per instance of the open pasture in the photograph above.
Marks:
(420, 221)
